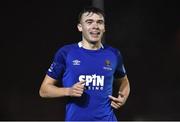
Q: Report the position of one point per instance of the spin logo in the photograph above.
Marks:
(93, 82)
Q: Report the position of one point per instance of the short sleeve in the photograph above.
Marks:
(120, 69)
(57, 67)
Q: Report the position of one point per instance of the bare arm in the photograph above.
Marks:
(48, 89)
(124, 90)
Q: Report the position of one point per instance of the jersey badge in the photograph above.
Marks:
(107, 65)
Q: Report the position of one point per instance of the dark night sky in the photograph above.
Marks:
(146, 32)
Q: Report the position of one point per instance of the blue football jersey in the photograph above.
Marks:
(72, 63)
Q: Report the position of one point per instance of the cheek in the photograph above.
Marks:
(85, 33)
(86, 30)
(102, 28)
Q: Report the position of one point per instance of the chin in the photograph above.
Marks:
(94, 40)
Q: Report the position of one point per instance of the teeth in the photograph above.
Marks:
(94, 32)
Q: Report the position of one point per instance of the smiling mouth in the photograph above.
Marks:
(95, 34)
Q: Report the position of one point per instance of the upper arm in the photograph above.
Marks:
(120, 71)
(124, 86)
(46, 82)
(58, 65)
(125, 78)
(122, 80)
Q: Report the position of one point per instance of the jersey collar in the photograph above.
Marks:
(81, 45)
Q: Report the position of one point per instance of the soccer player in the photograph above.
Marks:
(87, 70)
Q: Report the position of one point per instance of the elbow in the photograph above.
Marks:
(129, 89)
(42, 93)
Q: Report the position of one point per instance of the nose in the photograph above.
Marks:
(95, 25)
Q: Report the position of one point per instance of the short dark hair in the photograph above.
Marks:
(89, 10)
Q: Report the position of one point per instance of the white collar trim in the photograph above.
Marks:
(81, 45)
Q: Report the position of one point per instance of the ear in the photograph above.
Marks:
(79, 26)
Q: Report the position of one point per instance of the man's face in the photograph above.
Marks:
(92, 27)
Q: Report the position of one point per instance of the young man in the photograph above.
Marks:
(87, 70)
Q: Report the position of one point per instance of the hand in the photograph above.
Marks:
(77, 89)
(117, 102)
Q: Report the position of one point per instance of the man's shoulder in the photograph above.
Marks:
(111, 48)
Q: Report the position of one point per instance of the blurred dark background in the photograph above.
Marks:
(146, 32)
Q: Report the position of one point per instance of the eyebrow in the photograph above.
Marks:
(93, 20)
(89, 20)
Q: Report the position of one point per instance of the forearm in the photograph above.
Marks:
(124, 87)
(123, 93)
(52, 91)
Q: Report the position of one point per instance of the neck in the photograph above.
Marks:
(91, 45)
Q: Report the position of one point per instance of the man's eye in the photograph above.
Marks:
(89, 22)
(101, 22)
